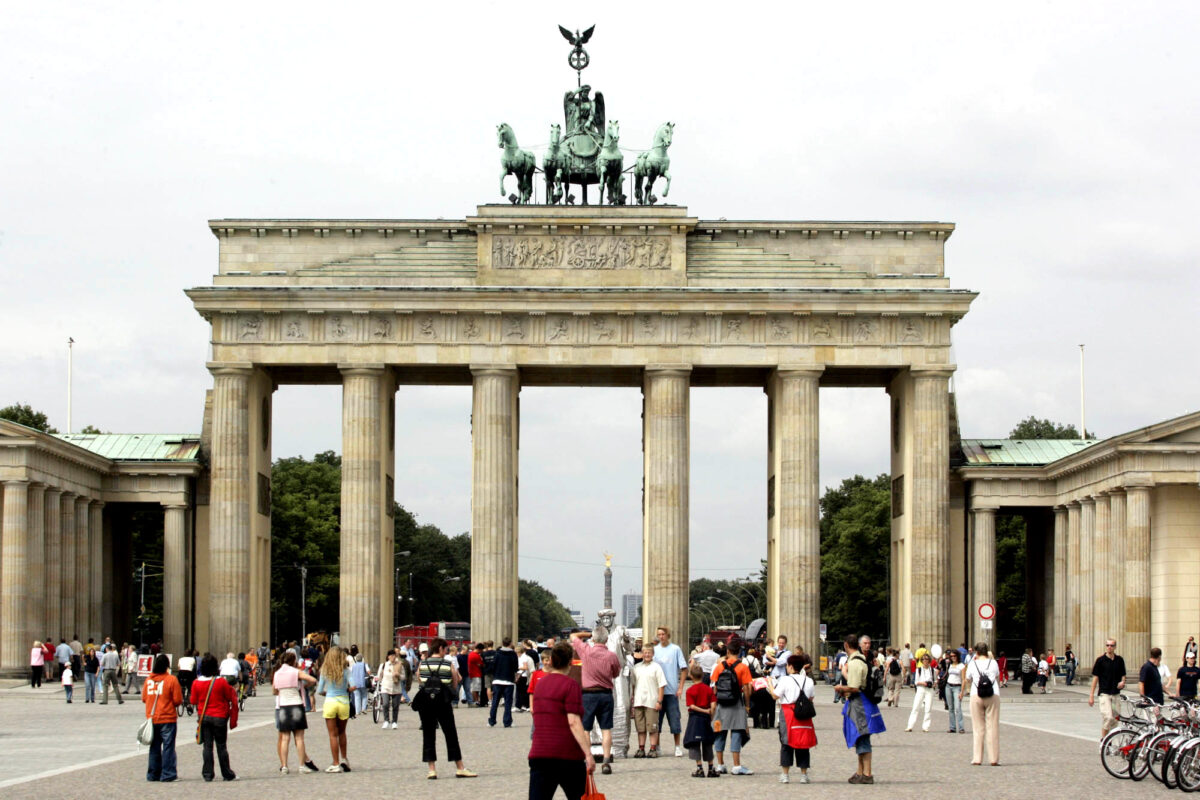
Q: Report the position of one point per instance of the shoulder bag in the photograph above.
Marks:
(200, 722)
(145, 732)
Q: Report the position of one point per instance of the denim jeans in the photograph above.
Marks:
(735, 741)
(162, 753)
(360, 700)
(89, 687)
(506, 692)
(954, 705)
(1070, 674)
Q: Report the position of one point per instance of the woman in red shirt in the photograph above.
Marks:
(217, 704)
(561, 754)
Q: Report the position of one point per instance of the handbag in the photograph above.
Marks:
(590, 792)
(145, 732)
(212, 681)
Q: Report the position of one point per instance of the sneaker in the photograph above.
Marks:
(855, 778)
(803, 778)
(283, 770)
(308, 766)
(393, 726)
(465, 773)
(606, 768)
(721, 769)
(384, 724)
(712, 772)
(653, 753)
(234, 778)
(333, 768)
(344, 767)
(678, 751)
(783, 778)
(867, 779)
(641, 753)
(699, 773)
(740, 770)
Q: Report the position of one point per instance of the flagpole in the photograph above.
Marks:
(70, 365)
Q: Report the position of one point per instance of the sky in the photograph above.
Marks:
(1060, 137)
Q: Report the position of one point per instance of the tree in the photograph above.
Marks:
(855, 544)
(91, 429)
(305, 531)
(1034, 428)
(23, 414)
(540, 614)
(1010, 577)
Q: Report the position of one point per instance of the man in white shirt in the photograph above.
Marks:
(707, 658)
(779, 663)
(230, 670)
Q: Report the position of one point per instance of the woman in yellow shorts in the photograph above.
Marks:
(334, 685)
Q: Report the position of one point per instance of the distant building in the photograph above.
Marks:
(577, 616)
(631, 603)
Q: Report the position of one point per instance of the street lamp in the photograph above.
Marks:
(704, 620)
(752, 595)
(745, 616)
(752, 582)
(714, 599)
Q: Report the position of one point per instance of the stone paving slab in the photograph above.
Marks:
(51, 748)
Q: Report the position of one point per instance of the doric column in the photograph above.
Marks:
(930, 558)
(1137, 572)
(1086, 648)
(362, 507)
(793, 523)
(1059, 636)
(83, 568)
(66, 597)
(494, 436)
(14, 586)
(229, 511)
(52, 561)
(96, 565)
(984, 573)
(1073, 596)
(35, 561)
(1102, 587)
(1116, 541)
(665, 436)
(175, 578)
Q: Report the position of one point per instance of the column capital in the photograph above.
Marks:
(931, 372)
(53, 490)
(1071, 504)
(373, 370)
(1138, 480)
(1087, 500)
(985, 509)
(230, 367)
(66, 495)
(183, 506)
(503, 370)
(16, 482)
(798, 371)
(98, 503)
(678, 370)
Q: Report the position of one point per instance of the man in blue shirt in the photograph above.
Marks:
(674, 667)
(62, 654)
(1149, 681)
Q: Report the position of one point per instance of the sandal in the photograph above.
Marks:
(699, 773)
(640, 753)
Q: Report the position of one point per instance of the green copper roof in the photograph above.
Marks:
(138, 446)
(1021, 452)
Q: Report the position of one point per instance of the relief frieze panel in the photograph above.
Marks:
(581, 252)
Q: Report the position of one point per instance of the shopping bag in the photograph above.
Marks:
(591, 792)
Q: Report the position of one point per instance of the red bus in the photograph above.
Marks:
(453, 632)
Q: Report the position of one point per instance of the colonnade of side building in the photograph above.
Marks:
(241, 454)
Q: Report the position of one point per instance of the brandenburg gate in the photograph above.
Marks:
(534, 295)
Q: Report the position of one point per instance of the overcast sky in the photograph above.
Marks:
(1061, 138)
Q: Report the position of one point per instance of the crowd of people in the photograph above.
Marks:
(726, 687)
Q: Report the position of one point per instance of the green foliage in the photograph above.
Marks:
(1034, 428)
(434, 560)
(855, 545)
(734, 604)
(91, 429)
(305, 530)
(23, 414)
(540, 613)
(1010, 572)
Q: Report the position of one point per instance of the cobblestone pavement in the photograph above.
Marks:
(54, 749)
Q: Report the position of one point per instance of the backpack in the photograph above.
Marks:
(983, 687)
(874, 685)
(727, 688)
(894, 667)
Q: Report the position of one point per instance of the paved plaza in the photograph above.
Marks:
(52, 749)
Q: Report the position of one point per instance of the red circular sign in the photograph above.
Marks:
(987, 611)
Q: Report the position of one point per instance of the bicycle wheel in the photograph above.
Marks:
(1145, 757)
(374, 703)
(1114, 752)
(1167, 768)
(1187, 768)
(1138, 768)
(1156, 756)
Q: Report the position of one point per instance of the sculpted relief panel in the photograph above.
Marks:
(581, 252)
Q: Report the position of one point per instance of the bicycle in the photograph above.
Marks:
(1134, 719)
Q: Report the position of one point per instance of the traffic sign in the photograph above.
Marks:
(986, 624)
(987, 611)
(824, 631)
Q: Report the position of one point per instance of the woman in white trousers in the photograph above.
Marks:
(985, 711)
(926, 680)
